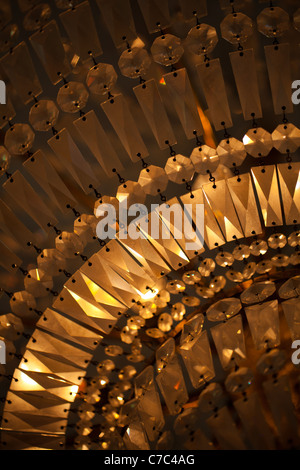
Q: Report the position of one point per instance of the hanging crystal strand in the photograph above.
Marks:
(151, 103)
(236, 28)
(278, 394)
(273, 22)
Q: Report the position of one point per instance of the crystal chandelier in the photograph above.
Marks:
(142, 343)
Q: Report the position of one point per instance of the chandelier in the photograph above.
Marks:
(143, 340)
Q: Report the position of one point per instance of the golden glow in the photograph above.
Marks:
(37, 275)
(90, 309)
(28, 381)
(209, 138)
(247, 140)
(138, 42)
(150, 294)
(74, 389)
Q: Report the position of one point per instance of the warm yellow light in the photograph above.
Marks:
(247, 140)
(150, 294)
(74, 389)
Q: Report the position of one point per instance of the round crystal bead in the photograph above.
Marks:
(211, 397)
(178, 311)
(205, 292)
(179, 169)
(295, 258)
(271, 362)
(258, 292)
(175, 286)
(106, 200)
(217, 283)
(258, 142)
(153, 180)
(165, 322)
(249, 270)
(238, 381)
(101, 78)
(206, 267)
(72, 97)
(167, 49)
(11, 326)
(21, 301)
(135, 322)
(127, 335)
(231, 152)
(264, 266)
(224, 259)
(277, 240)
(297, 19)
(234, 276)
(191, 277)
(236, 28)
(202, 39)
(205, 159)
(294, 239)
(131, 192)
(37, 282)
(147, 310)
(223, 309)
(43, 115)
(286, 138)
(191, 301)
(290, 288)
(8, 37)
(127, 373)
(113, 350)
(258, 247)
(154, 333)
(37, 17)
(51, 261)
(134, 62)
(280, 260)
(85, 227)
(273, 22)
(4, 160)
(19, 139)
(105, 366)
(241, 252)
(162, 298)
(68, 243)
